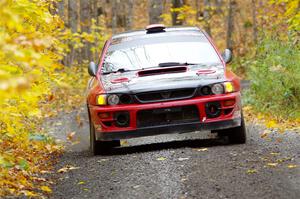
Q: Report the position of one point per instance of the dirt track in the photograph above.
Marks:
(195, 165)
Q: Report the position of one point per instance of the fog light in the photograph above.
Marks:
(122, 119)
(213, 109)
(103, 115)
(229, 102)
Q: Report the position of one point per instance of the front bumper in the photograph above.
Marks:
(224, 121)
(168, 129)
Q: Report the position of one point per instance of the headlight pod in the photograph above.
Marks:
(217, 89)
(113, 99)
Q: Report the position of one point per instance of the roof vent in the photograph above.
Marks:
(155, 28)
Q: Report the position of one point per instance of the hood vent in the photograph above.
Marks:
(162, 71)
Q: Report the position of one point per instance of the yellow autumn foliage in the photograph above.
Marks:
(33, 86)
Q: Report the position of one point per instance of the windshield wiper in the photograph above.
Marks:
(167, 64)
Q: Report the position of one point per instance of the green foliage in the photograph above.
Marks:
(275, 76)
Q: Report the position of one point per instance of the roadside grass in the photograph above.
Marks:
(281, 125)
(274, 94)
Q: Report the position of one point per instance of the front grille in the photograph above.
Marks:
(165, 116)
(159, 96)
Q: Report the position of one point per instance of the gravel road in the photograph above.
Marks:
(195, 165)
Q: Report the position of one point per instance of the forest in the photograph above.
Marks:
(46, 46)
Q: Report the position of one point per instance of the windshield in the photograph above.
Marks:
(150, 52)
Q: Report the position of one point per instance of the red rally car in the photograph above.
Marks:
(162, 80)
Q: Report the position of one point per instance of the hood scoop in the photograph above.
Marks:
(161, 71)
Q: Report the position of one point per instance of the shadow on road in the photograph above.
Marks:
(197, 143)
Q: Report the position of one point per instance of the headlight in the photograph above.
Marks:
(113, 99)
(101, 100)
(217, 89)
(229, 88)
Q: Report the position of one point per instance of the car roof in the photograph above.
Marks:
(137, 33)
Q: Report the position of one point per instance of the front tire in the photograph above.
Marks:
(100, 147)
(236, 135)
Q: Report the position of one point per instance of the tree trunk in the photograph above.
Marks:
(218, 4)
(73, 24)
(114, 15)
(73, 15)
(61, 9)
(206, 15)
(198, 10)
(85, 10)
(254, 21)
(94, 10)
(230, 24)
(129, 16)
(176, 4)
(85, 22)
(155, 11)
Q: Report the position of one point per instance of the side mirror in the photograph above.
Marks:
(227, 56)
(92, 69)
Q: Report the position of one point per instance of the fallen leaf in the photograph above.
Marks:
(39, 179)
(124, 143)
(30, 194)
(81, 182)
(284, 159)
(203, 149)
(45, 172)
(46, 189)
(251, 171)
(136, 186)
(71, 135)
(279, 140)
(275, 154)
(50, 97)
(292, 166)
(161, 159)
(67, 168)
(271, 124)
(74, 142)
(182, 159)
(265, 133)
(272, 164)
(58, 124)
(4, 163)
(78, 120)
(102, 160)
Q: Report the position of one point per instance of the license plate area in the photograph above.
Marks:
(169, 115)
(167, 110)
